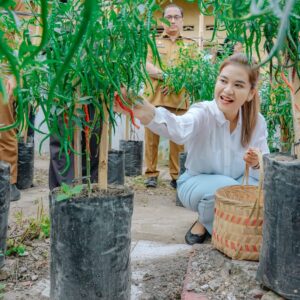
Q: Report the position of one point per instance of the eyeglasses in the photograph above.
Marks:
(176, 18)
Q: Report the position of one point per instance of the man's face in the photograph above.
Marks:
(173, 15)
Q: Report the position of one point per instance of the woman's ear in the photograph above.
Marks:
(252, 93)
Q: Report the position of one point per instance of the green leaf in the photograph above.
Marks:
(62, 197)
(76, 189)
(66, 189)
(20, 250)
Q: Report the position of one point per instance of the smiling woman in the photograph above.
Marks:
(220, 138)
(235, 90)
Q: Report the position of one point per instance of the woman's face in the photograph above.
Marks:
(232, 90)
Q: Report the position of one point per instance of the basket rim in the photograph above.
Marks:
(220, 197)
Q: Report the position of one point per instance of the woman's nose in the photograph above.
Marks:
(228, 89)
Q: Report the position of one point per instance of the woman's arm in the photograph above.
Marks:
(162, 122)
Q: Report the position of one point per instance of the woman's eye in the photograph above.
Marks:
(223, 80)
(239, 85)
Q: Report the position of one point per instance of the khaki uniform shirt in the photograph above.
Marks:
(169, 55)
(15, 40)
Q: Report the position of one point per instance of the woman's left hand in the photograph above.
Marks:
(251, 157)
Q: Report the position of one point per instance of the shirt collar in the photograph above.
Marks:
(166, 36)
(219, 115)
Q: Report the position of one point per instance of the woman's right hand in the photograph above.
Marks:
(142, 109)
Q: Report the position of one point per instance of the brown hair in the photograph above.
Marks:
(249, 109)
(173, 6)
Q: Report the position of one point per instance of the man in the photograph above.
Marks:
(8, 140)
(168, 46)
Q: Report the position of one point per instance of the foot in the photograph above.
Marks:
(14, 193)
(173, 183)
(198, 228)
(151, 182)
(196, 234)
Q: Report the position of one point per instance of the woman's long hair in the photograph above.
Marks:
(249, 109)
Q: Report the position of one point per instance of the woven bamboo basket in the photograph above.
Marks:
(237, 228)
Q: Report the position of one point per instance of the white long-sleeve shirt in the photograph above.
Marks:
(211, 148)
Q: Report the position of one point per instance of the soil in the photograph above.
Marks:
(221, 278)
(162, 279)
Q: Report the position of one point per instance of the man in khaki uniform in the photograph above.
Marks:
(8, 140)
(168, 46)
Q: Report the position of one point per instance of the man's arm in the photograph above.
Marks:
(153, 71)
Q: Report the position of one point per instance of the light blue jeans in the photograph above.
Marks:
(197, 192)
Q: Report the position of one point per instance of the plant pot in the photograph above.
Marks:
(25, 165)
(133, 157)
(90, 245)
(182, 159)
(279, 262)
(4, 207)
(116, 167)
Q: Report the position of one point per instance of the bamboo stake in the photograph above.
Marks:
(103, 153)
(77, 158)
(77, 145)
(110, 137)
(296, 109)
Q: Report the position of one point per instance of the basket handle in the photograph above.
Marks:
(260, 185)
(245, 179)
(260, 189)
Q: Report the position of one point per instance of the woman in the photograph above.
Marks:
(220, 136)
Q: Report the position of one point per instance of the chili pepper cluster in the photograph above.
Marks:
(87, 51)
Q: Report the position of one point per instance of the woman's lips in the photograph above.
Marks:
(225, 100)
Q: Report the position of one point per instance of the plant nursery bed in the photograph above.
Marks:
(171, 270)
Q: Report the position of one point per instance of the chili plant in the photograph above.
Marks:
(91, 50)
(277, 109)
(195, 73)
(16, 48)
(251, 20)
(276, 25)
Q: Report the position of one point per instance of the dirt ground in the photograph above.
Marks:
(157, 222)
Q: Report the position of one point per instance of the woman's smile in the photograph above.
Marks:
(226, 100)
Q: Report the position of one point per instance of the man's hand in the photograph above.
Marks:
(251, 157)
(154, 72)
(10, 85)
(165, 90)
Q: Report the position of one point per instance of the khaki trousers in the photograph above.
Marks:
(8, 140)
(151, 151)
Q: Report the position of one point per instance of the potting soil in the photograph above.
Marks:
(116, 167)
(279, 267)
(4, 206)
(90, 248)
(133, 157)
(25, 165)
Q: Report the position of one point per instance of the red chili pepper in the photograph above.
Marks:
(118, 99)
(86, 128)
(67, 123)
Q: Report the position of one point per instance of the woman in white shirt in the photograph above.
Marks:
(220, 137)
